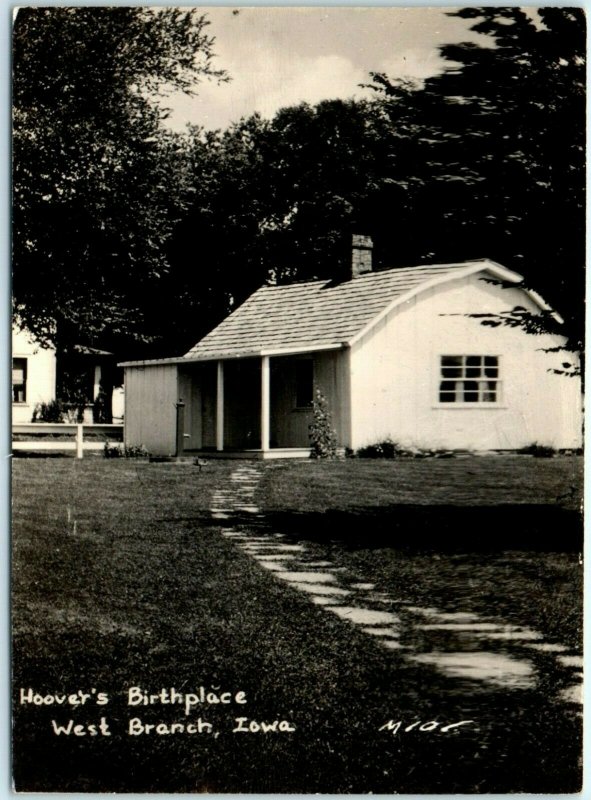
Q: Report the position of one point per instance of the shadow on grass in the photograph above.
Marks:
(536, 528)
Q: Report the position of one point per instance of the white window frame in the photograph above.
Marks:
(24, 383)
(463, 378)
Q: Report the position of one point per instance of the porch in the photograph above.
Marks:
(259, 408)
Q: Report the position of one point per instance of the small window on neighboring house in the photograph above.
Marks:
(304, 383)
(19, 380)
(469, 379)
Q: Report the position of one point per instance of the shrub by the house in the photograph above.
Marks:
(323, 437)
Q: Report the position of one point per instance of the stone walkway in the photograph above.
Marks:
(453, 643)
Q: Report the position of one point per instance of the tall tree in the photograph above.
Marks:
(500, 137)
(277, 200)
(98, 183)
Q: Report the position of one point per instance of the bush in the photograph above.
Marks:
(323, 438)
(538, 450)
(389, 449)
(385, 449)
(48, 412)
(120, 451)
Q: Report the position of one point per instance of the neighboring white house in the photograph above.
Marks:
(397, 353)
(33, 375)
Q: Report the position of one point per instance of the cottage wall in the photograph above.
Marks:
(40, 375)
(290, 424)
(395, 374)
(151, 394)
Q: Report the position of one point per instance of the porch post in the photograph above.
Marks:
(97, 382)
(265, 403)
(219, 415)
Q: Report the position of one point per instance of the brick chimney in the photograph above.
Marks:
(361, 256)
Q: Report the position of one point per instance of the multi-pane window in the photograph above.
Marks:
(304, 383)
(19, 380)
(469, 379)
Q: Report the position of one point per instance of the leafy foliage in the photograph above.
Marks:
(98, 184)
(538, 450)
(48, 412)
(131, 235)
(323, 438)
(120, 451)
(500, 144)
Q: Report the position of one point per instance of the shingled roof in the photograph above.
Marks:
(324, 314)
(321, 315)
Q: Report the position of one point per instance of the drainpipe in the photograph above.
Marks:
(180, 427)
(219, 414)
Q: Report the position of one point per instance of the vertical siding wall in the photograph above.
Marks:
(395, 376)
(191, 385)
(331, 376)
(150, 411)
(41, 364)
(290, 425)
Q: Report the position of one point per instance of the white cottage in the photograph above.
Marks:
(33, 375)
(397, 353)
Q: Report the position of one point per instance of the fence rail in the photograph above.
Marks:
(75, 430)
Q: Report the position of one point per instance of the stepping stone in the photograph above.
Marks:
(570, 661)
(572, 694)
(289, 547)
(381, 632)
(515, 635)
(272, 557)
(495, 668)
(308, 577)
(392, 644)
(427, 612)
(460, 626)
(545, 647)
(365, 616)
(319, 588)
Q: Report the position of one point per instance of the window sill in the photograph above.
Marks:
(21, 405)
(470, 406)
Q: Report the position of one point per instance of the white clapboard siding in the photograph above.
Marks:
(40, 374)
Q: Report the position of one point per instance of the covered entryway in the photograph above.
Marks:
(257, 406)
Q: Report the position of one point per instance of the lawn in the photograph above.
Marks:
(122, 579)
(484, 534)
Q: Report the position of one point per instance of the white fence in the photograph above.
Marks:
(35, 431)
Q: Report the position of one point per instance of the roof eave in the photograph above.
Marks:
(482, 265)
(313, 347)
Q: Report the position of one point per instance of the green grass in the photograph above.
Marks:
(121, 578)
(498, 536)
(485, 480)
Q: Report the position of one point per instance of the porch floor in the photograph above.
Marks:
(275, 452)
